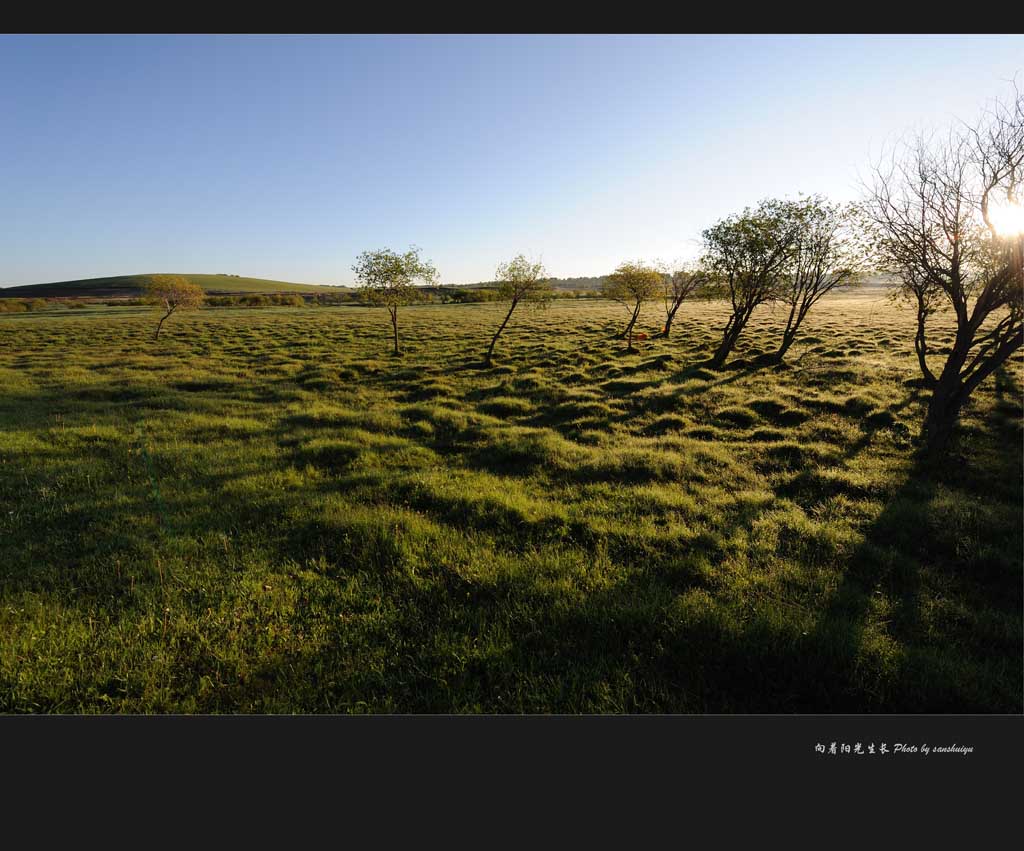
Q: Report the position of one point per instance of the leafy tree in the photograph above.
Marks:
(631, 284)
(172, 293)
(827, 253)
(747, 254)
(389, 279)
(679, 284)
(947, 219)
(520, 280)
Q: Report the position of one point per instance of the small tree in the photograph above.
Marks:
(679, 284)
(746, 255)
(826, 254)
(631, 284)
(388, 279)
(948, 220)
(520, 280)
(172, 293)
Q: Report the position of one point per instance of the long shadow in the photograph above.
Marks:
(881, 590)
(883, 565)
(884, 420)
(1009, 396)
(558, 656)
(739, 370)
(619, 647)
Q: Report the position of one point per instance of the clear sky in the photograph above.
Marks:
(285, 156)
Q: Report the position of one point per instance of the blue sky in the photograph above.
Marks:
(285, 156)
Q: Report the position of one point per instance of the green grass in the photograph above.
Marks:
(266, 512)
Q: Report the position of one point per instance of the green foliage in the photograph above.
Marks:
(389, 279)
(10, 305)
(828, 251)
(632, 282)
(748, 252)
(522, 280)
(171, 293)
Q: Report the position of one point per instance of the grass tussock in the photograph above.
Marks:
(265, 512)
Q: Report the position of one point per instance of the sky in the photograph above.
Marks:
(284, 157)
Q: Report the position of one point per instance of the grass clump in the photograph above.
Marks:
(264, 512)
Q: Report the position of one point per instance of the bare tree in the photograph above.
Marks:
(389, 279)
(746, 254)
(827, 253)
(631, 284)
(679, 284)
(520, 280)
(925, 298)
(172, 293)
(947, 219)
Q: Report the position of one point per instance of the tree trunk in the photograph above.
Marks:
(943, 411)
(160, 324)
(632, 321)
(948, 396)
(787, 341)
(494, 339)
(788, 335)
(669, 317)
(732, 333)
(921, 346)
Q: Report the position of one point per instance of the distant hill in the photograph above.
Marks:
(131, 285)
(128, 286)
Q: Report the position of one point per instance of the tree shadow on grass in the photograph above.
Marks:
(874, 645)
(737, 369)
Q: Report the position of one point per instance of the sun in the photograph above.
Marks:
(1007, 218)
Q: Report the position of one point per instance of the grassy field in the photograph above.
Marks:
(265, 512)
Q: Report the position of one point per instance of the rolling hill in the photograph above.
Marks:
(128, 286)
(131, 285)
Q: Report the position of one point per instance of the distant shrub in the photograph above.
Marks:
(10, 305)
(477, 296)
(255, 300)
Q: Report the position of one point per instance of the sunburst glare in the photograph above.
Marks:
(1007, 218)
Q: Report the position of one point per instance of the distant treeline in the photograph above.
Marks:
(581, 285)
(475, 293)
(31, 305)
(261, 300)
(444, 294)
